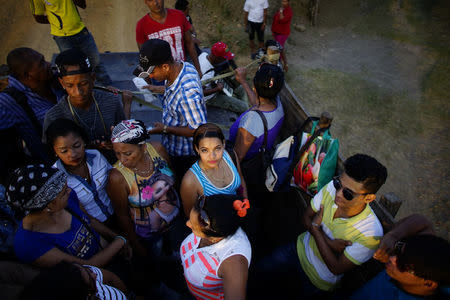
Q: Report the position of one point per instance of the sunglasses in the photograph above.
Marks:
(402, 265)
(348, 193)
(147, 73)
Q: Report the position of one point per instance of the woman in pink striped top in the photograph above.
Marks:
(217, 254)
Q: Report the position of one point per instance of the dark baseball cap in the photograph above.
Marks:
(154, 52)
(72, 57)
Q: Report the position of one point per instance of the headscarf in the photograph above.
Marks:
(34, 186)
(129, 132)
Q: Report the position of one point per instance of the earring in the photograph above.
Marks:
(48, 209)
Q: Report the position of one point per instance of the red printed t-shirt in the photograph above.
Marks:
(172, 31)
(282, 26)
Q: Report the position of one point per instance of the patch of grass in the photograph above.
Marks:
(219, 20)
(356, 102)
(435, 92)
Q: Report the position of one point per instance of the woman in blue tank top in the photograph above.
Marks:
(215, 172)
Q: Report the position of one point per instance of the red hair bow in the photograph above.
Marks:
(241, 207)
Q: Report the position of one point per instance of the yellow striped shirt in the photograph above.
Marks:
(363, 230)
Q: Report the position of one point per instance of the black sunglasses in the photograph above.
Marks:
(348, 193)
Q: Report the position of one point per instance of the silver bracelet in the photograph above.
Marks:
(315, 224)
(122, 238)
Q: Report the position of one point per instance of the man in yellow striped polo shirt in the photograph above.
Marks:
(68, 29)
(342, 232)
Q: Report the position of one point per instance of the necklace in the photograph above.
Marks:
(78, 119)
(219, 176)
(149, 169)
(82, 171)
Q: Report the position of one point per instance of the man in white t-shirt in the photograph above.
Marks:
(214, 94)
(255, 15)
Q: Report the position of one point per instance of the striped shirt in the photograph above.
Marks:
(201, 265)
(12, 115)
(111, 113)
(105, 292)
(183, 105)
(92, 195)
(363, 230)
(208, 187)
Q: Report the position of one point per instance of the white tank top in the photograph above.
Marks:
(201, 265)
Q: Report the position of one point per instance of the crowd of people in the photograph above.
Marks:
(98, 211)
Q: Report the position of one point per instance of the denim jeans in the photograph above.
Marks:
(85, 42)
(279, 275)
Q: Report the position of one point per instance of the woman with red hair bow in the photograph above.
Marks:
(217, 254)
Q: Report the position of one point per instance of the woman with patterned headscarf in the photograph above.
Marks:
(54, 228)
(141, 188)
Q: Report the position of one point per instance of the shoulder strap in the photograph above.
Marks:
(229, 146)
(85, 224)
(212, 69)
(233, 157)
(264, 120)
(22, 100)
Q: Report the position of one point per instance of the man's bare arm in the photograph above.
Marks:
(336, 264)
(408, 226)
(190, 47)
(158, 128)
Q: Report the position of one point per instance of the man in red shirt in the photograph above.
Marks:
(169, 25)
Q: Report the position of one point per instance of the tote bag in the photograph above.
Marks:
(318, 163)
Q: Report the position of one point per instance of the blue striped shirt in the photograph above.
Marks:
(93, 196)
(183, 105)
(12, 115)
(209, 188)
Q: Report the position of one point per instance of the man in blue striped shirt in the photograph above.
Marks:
(183, 105)
(31, 76)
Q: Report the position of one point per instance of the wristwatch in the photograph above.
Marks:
(165, 129)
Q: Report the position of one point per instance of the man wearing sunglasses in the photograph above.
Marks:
(183, 105)
(342, 232)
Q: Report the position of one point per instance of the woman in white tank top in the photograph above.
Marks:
(217, 254)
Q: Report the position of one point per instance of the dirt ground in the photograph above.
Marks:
(381, 69)
(382, 72)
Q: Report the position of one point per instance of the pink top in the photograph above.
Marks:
(201, 265)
